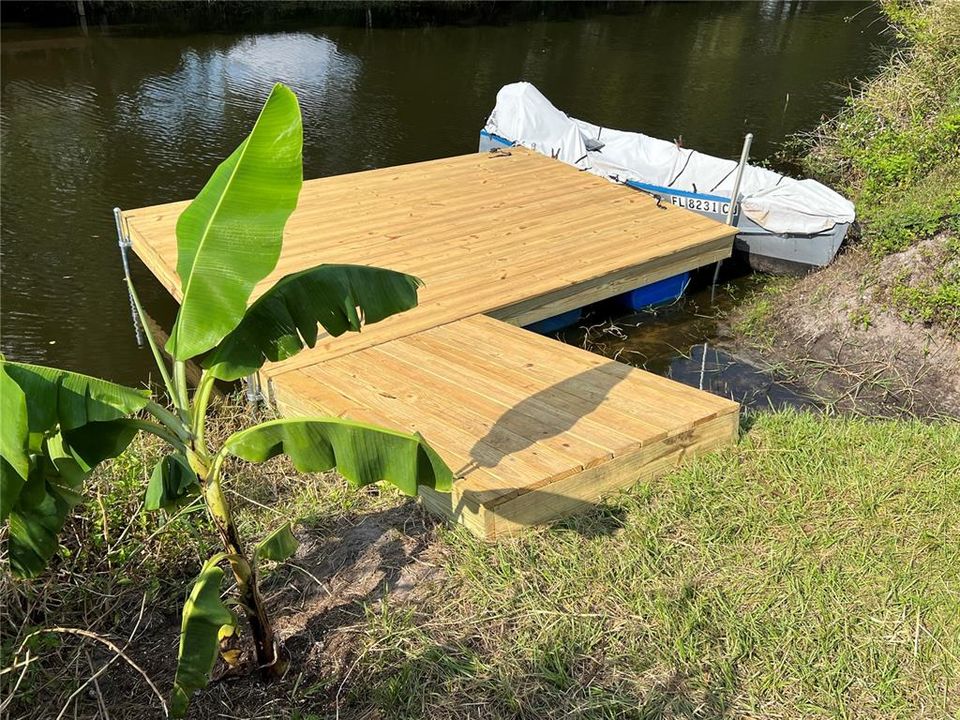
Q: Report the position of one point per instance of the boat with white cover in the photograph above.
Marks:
(784, 224)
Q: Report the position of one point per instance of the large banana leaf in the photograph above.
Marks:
(337, 297)
(39, 512)
(14, 442)
(95, 442)
(11, 484)
(36, 399)
(229, 237)
(70, 400)
(204, 614)
(58, 469)
(78, 421)
(361, 453)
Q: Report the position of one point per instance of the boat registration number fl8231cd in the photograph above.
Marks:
(702, 205)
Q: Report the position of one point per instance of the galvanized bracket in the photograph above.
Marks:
(251, 384)
(123, 240)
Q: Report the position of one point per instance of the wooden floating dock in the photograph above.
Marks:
(534, 429)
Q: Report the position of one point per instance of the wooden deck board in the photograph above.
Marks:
(484, 232)
(533, 428)
(559, 432)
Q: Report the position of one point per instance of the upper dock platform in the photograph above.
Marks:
(534, 429)
(514, 235)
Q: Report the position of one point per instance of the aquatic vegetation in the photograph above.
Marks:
(59, 426)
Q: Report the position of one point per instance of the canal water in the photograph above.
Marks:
(691, 341)
(137, 115)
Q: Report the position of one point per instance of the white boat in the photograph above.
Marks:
(785, 225)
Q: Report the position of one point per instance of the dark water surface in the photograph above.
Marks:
(134, 116)
(690, 340)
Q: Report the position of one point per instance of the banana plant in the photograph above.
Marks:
(58, 425)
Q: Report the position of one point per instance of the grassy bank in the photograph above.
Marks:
(894, 148)
(809, 572)
(879, 330)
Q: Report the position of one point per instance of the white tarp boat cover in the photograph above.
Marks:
(775, 202)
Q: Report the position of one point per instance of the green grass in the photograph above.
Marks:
(933, 299)
(810, 572)
(756, 315)
(894, 147)
(896, 220)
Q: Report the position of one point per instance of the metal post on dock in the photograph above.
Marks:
(251, 385)
(123, 239)
(744, 154)
(251, 382)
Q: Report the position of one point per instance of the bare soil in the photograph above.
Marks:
(318, 598)
(837, 332)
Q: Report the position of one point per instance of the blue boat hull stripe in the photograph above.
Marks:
(633, 183)
(670, 191)
(492, 136)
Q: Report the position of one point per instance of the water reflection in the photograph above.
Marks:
(134, 116)
(214, 92)
(717, 371)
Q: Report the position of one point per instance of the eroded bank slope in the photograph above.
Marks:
(879, 330)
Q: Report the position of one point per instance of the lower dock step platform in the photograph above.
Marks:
(533, 429)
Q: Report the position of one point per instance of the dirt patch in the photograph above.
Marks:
(325, 589)
(839, 333)
(318, 599)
